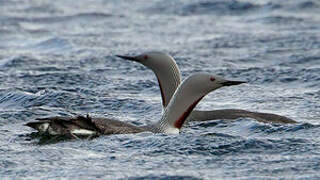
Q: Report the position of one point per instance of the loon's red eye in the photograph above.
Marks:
(145, 57)
(212, 79)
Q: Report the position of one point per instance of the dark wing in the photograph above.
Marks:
(69, 125)
(238, 113)
(63, 125)
(111, 126)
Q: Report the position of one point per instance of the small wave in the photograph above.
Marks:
(254, 145)
(279, 128)
(16, 99)
(296, 128)
(231, 7)
(210, 124)
(19, 61)
(92, 15)
(53, 44)
(163, 177)
(219, 7)
(219, 135)
(217, 145)
(306, 5)
(311, 61)
(43, 9)
(270, 74)
(281, 20)
(59, 19)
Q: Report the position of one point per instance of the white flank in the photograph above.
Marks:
(83, 132)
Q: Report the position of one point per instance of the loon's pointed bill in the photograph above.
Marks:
(132, 58)
(231, 83)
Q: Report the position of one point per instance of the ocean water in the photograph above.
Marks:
(57, 58)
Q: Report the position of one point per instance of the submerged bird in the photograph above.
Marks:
(185, 98)
(169, 78)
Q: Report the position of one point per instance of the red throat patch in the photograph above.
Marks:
(178, 124)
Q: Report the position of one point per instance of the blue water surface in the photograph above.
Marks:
(57, 58)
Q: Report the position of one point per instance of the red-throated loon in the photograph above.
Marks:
(185, 98)
(169, 78)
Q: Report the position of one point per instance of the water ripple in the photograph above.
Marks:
(57, 59)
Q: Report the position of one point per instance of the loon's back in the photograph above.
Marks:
(82, 126)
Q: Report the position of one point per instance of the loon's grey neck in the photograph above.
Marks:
(165, 69)
(168, 79)
(183, 102)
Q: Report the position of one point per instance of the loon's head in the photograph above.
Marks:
(186, 97)
(154, 60)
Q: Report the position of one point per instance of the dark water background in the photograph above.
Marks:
(57, 58)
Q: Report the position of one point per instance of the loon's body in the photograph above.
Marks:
(233, 114)
(169, 78)
(83, 126)
(185, 98)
